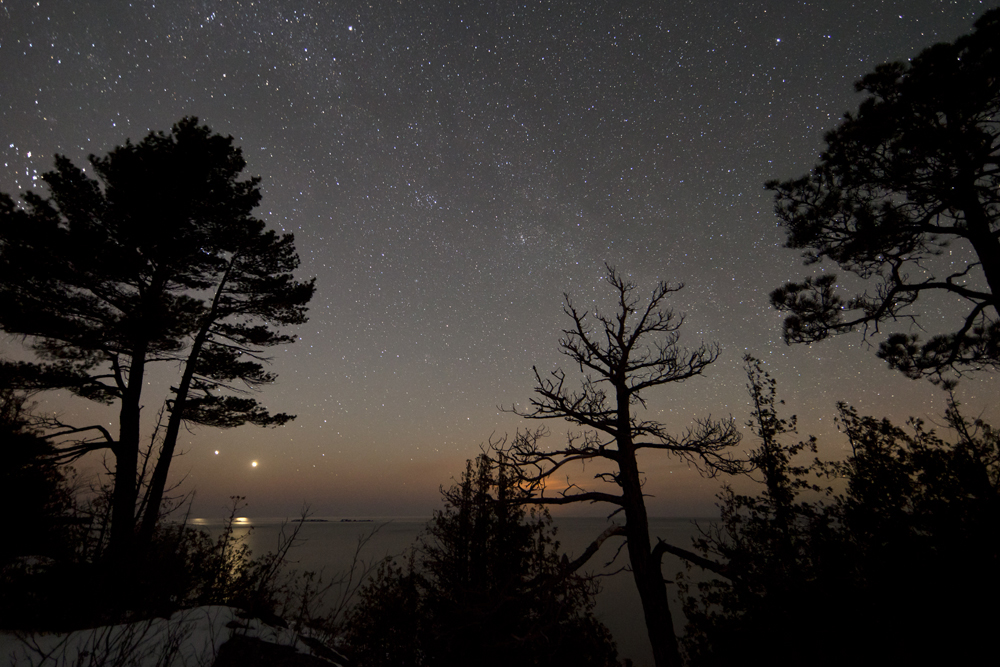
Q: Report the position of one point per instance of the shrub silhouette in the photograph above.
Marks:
(484, 586)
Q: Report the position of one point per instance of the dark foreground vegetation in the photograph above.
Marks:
(485, 586)
(54, 566)
(889, 555)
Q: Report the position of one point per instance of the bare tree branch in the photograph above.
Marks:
(620, 356)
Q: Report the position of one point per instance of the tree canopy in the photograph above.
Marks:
(158, 257)
(907, 197)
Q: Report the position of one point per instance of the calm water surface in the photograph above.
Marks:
(330, 546)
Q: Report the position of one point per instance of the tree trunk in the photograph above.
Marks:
(158, 481)
(652, 592)
(126, 462)
(126, 493)
(645, 568)
(985, 244)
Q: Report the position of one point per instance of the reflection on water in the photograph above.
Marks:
(242, 529)
(330, 545)
(216, 523)
(240, 533)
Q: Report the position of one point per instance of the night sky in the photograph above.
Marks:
(449, 169)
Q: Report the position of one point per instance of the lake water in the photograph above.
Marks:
(330, 546)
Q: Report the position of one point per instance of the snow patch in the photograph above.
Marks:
(189, 638)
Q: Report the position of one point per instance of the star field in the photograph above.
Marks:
(449, 169)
